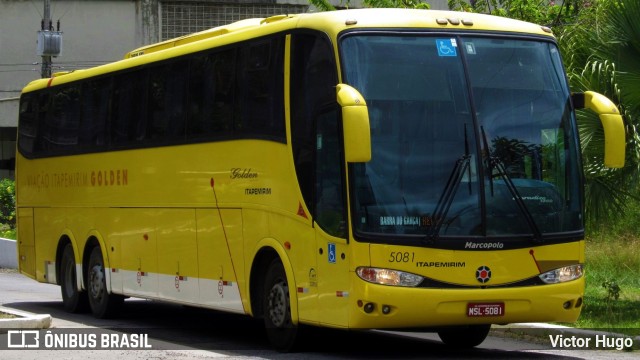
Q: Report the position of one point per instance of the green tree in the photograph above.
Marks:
(602, 52)
(325, 5)
(8, 203)
(322, 5)
(543, 12)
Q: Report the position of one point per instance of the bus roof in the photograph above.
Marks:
(330, 22)
(359, 18)
(419, 19)
(190, 38)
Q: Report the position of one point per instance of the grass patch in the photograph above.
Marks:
(4, 315)
(7, 232)
(612, 294)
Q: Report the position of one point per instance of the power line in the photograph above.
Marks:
(89, 62)
(10, 71)
(25, 64)
(69, 65)
(35, 7)
(66, 11)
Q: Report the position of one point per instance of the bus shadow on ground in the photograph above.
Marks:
(177, 327)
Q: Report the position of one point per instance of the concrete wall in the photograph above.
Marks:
(8, 254)
(93, 31)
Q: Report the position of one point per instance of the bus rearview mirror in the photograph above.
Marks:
(614, 133)
(355, 123)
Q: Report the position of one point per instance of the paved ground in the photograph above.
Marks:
(187, 333)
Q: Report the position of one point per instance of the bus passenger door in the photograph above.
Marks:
(331, 220)
(316, 133)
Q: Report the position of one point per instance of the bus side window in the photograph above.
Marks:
(128, 120)
(316, 131)
(166, 115)
(211, 94)
(95, 110)
(61, 129)
(330, 203)
(43, 114)
(28, 127)
(261, 102)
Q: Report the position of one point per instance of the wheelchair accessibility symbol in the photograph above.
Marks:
(446, 47)
(332, 253)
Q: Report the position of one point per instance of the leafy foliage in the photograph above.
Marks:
(602, 49)
(543, 12)
(408, 4)
(325, 5)
(8, 203)
(613, 289)
(322, 5)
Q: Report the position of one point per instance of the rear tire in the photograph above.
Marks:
(464, 336)
(74, 300)
(281, 331)
(103, 304)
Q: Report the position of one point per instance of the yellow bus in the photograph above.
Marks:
(354, 169)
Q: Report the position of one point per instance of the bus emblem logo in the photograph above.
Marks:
(483, 274)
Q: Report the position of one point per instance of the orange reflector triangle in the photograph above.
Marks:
(301, 211)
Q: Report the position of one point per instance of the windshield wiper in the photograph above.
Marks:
(493, 162)
(448, 194)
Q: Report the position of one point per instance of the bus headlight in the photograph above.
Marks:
(562, 274)
(388, 277)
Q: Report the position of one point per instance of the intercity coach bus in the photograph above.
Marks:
(357, 169)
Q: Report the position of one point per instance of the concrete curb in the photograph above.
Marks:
(8, 253)
(24, 320)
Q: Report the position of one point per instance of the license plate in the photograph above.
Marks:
(485, 309)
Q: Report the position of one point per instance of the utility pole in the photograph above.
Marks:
(49, 40)
(46, 27)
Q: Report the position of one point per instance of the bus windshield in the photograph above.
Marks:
(471, 137)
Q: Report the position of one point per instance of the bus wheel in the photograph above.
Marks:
(103, 304)
(464, 337)
(281, 332)
(73, 299)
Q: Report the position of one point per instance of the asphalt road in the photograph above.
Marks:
(178, 332)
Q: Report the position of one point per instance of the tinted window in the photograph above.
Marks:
(61, 126)
(261, 109)
(166, 100)
(315, 131)
(28, 129)
(218, 94)
(95, 110)
(127, 113)
(212, 94)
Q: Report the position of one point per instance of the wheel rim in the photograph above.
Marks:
(96, 282)
(278, 303)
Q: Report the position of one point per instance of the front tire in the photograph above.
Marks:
(74, 300)
(103, 304)
(465, 336)
(281, 331)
